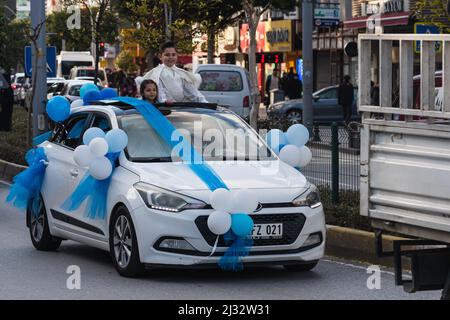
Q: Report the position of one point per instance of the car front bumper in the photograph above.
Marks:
(152, 227)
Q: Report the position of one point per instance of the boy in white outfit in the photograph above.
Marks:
(174, 84)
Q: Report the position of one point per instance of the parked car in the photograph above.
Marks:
(20, 86)
(88, 73)
(54, 85)
(173, 232)
(325, 107)
(71, 89)
(228, 85)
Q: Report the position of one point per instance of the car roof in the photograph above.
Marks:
(219, 67)
(77, 82)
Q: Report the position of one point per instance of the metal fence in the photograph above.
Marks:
(336, 162)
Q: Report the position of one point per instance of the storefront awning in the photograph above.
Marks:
(386, 20)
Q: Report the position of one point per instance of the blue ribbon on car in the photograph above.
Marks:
(27, 185)
(239, 247)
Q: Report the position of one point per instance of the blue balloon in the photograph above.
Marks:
(298, 135)
(109, 93)
(58, 109)
(276, 139)
(91, 96)
(117, 140)
(241, 224)
(91, 134)
(87, 87)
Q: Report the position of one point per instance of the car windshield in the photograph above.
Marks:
(217, 135)
(90, 73)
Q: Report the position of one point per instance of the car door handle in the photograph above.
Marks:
(74, 173)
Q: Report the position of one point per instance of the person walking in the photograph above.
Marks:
(346, 98)
(272, 82)
(6, 102)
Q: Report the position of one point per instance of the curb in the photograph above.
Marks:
(358, 245)
(8, 170)
(346, 243)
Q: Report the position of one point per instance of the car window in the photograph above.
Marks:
(101, 122)
(221, 81)
(74, 90)
(70, 134)
(329, 94)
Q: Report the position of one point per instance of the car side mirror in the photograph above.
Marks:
(57, 94)
(316, 98)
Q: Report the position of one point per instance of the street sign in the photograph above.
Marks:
(420, 28)
(326, 17)
(51, 61)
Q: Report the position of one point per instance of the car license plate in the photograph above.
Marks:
(268, 231)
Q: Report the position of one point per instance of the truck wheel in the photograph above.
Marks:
(304, 267)
(39, 231)
(123, 244)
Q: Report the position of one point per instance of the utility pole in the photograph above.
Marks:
(39, 67)
(308, 66)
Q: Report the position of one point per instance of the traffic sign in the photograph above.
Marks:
(420, 28)
(51, 61)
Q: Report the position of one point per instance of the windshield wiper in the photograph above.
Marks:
(152, 159)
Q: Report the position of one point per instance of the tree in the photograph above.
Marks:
(434, 12)
(103, 24)
(12, 41)
(214, 16)
(253, 10)
(125, 61)
(157, 21)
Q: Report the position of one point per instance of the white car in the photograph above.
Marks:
(228, 85)
(71, 89)
(157, 209)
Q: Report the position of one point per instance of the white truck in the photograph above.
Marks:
(68, 59)
(405, 154)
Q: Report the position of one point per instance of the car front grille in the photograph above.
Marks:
(292, 226)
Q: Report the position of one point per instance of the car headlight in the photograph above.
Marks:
(165, 200)
(311, 198)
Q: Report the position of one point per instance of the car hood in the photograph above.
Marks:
(266, 176)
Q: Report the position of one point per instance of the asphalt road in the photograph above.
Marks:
(29, 274)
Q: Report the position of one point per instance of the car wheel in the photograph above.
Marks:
(123, 244)
(294, 117)
(39, 231)
(303, 267)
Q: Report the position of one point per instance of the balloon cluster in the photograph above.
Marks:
(290, 145)
(58, 108)
(97, 144)
(231, 212)
(89, 92)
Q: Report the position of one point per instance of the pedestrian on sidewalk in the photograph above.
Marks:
(6, 103)
(345, 98)
(272, 82)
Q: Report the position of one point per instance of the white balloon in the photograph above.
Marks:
(291, 155)
(305, 157)
(99, 147)
(221, 200)
(219, 222)
(82, 156)
(77, 103)
(297, 135)
(244, 201)
(100, 168)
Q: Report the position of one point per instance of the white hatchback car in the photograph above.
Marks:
(157, 208)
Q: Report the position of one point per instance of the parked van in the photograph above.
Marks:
(229, 86)
(88, 73)
(69, 59)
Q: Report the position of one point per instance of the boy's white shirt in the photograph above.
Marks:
(175, 84)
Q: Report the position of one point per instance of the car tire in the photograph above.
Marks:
(294, 116)
(123, 245)
(301, 267)
(39, 231)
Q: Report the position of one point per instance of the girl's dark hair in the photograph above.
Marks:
(146, 83)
